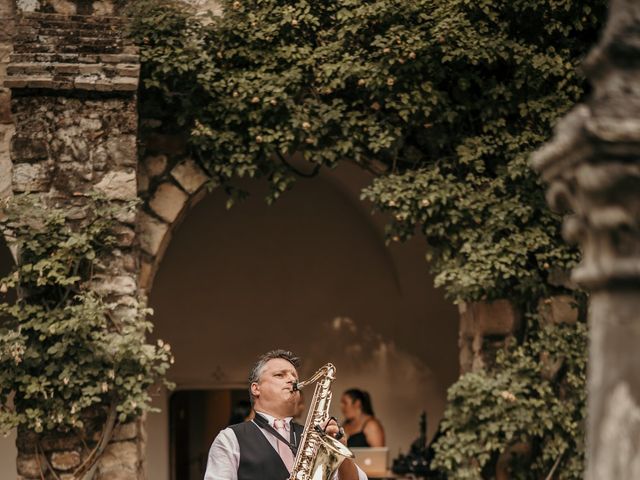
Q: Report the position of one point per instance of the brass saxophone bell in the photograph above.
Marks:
(319, 455)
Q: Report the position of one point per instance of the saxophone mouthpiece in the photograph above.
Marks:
(295, 387)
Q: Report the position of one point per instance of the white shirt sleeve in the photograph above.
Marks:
(224, 457)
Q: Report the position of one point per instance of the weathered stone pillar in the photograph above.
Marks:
(485, 328)
(73, 78)
(593, 170)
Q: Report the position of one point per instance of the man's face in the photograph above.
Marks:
(273, 392)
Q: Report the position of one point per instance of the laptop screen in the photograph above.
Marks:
(372, 460)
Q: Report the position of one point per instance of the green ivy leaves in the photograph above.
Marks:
(456, 92)
(63, 347)
(520, 405)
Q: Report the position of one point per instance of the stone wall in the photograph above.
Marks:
(73, 82)
(6, 122)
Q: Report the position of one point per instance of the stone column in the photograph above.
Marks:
(6, 122)
(593, 169)
(73, 78)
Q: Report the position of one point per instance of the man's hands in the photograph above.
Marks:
(347, 470)
(334, 429)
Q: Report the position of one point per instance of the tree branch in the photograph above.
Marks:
(311, 174)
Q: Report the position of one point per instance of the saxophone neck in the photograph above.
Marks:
(328, 371)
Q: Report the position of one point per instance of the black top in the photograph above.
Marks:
(358, 439)
(258, 459)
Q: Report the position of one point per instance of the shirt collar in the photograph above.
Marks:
(271, 418)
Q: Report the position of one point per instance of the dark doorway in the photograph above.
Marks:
(196, 417)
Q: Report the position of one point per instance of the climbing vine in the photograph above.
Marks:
(443, 101)
(64, 346)
(531, 410)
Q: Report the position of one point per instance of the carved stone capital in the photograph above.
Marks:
(592, 165)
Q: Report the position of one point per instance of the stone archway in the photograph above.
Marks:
(76, 121)
(170, 185)
(314, 229)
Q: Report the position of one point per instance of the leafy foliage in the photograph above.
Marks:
(448, 97)
(487, 413)
(63, 346)
(443, 101)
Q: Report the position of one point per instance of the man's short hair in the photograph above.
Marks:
(256, 371)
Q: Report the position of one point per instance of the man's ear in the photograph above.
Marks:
(255, 389)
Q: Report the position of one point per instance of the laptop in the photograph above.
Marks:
(372, 460)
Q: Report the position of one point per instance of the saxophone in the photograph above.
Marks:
(319, 455)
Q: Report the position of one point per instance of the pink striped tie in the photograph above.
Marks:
(285, 452)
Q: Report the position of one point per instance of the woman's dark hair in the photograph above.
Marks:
(365, 400)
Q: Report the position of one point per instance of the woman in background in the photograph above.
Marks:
(360, 425)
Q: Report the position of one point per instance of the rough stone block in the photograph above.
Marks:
(125, 236)
(58, 443)
(103, 8)
(189, 175)
(465, 356)
(128, 70)
(89, 68)
(28, 149)
(120, 58)
(168, 201)
(63, 6)
(30, 466)
(5, 107)
(31, 177)
(558, 309)
(84, 83)
(65, 461)
(127, 216)
(143, 181)
(67, 68)
(124, 84)
(120, 458)
(127, 431)
(15, 82)
(43, 81)
(488, 318)
(90, 124)
(118, 284)
(122, 150)
(6, 132)
(118, 185)
(153, 234)
(155, 165)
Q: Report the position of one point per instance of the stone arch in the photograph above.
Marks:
(168, 187)
(180, 255)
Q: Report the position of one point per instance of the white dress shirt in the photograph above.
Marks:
(224, 455)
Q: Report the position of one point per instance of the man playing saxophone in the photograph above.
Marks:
(263, 449)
